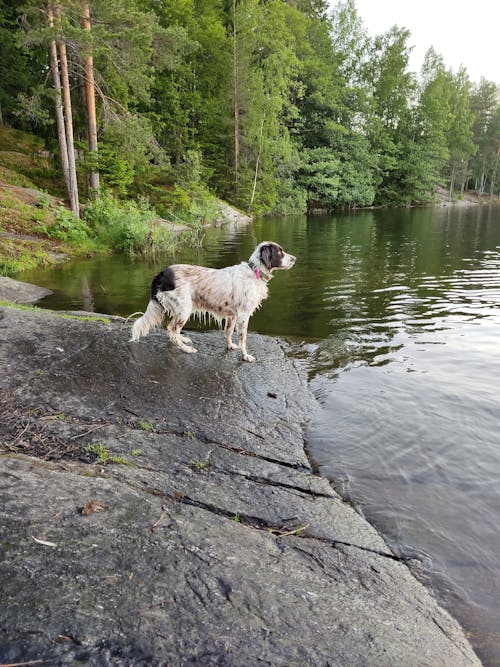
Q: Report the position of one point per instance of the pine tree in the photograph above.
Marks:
(90, 101)
(64, 113)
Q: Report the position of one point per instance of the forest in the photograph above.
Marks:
(276, 106)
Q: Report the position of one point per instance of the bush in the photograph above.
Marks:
(128, 226)
(161, 240)
(171, 199)
(122, 226)
(66, 227)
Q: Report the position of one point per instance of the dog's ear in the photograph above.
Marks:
(266, 256)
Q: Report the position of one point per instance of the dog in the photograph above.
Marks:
(231, 294)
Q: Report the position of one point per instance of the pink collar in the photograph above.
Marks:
(258, 273)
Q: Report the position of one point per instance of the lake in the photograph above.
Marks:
(397, 315)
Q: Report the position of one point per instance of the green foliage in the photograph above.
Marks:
(67, 227)
(116, 169)
(20, 67)
(485, 106)
(16, 257)
(174, 198)
(121, 226)
(42, 311)
(320, 177)
(276, 106)
(199, 465)
(102, 456)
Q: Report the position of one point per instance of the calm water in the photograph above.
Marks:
(398, 314)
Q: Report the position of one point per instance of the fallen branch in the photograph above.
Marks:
(45, 543)
(20, 664)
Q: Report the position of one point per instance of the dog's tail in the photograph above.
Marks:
(153, 317)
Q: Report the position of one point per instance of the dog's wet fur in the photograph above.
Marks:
(230, 295)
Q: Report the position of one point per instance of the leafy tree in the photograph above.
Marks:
(21, 72)
(276, 106)
(389, 123)
(485, 105)
(425, 140)
(267, 73)
(433, 114)
(459, 133)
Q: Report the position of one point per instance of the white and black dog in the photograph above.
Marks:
(231, 294)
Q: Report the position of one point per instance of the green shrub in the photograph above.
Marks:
(171, 199)
(66, 226)
(116, 171)
(161, 240)
(122, 226)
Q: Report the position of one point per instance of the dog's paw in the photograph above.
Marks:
(232, 346)
(185, 339)
(248, 357)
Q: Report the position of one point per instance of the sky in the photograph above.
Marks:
(463, 33)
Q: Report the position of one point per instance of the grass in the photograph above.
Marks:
(26, 216)
(23, 255)
(35, 225)
(145, 425)
(20, 211)
(5, 303)
(103, 456)
(16, 140)
(200, 465)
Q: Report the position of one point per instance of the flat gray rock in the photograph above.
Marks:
(19, 292)
(158, 509)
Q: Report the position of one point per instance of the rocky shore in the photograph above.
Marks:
(158, 508)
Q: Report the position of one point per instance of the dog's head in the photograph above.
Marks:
(269, 256)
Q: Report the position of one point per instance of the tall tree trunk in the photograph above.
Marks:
(257, 163)
(68, 117)
(464, 177)
(452, 181)
(482, 180)
(494, 174)
(61, 129)
(90, 102)
(236, 107)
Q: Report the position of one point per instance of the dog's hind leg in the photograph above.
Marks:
(174, 330)
(180, 310)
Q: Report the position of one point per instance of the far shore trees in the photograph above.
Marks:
(275, 106)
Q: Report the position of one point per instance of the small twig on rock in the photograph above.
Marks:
(287, 533)
(162, 517)
(81, 435)
(21, 664)
(44, 542)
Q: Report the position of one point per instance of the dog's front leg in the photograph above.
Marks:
(241, 328)
(228, 332)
